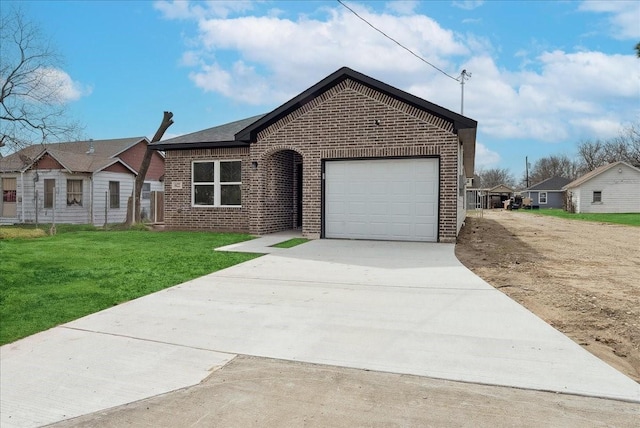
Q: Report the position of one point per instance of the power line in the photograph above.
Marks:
(400, 44)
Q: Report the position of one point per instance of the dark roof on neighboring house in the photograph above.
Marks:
(219, 136)
(550, 184)
(75, 156)
(589, 175)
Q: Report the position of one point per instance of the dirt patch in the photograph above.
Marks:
(581, 277)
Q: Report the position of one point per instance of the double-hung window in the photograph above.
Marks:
(216, 183)
(146, 190)
(74, 192)
(49, 186)
(114, 194)
(543, 198)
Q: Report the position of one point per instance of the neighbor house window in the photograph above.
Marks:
(217, 183)
(49, 186)
(114, 194)
(597, 196)
(146, 190)
(543, 198)
(74, 192)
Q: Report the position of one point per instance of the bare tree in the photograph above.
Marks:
(553, 166)
(32, 97)
(625, 147)
(144, 166)
(487, 178)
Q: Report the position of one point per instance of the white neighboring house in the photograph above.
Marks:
(77, 182)
(612, 188)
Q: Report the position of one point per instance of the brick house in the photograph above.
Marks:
(351, 157)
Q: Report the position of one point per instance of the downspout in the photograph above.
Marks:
(22, 195)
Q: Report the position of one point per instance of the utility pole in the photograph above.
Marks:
(526, 168)
(463, 76)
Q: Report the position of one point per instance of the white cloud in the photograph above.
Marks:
(485, 158)
(402, 7)
(60, 87)
(181, 9)
(553, 97)
(291, 55)
(624, 16)
(467, 4)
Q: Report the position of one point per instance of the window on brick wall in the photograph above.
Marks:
(216, 183)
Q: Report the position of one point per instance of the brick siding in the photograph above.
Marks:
(349, 120)
(178, 210)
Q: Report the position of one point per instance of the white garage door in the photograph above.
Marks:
(388, 199)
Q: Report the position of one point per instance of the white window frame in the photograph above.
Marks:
(216, 183)
(146, 190)
(540, 198)
(593, 197)
(81, 193)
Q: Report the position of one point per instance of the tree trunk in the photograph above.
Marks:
(146, 161)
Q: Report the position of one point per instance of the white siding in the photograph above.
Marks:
(101, 191)
(620, 187)
(63, 213)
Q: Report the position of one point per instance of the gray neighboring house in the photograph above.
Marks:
(547, 193)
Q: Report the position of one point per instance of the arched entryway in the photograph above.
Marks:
(283, 191)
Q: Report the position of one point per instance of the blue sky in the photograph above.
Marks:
(545, 75)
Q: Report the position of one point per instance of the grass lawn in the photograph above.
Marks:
(291, 243)
(46, 281)
(629, 219)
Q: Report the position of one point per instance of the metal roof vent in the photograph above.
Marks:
(91, 148)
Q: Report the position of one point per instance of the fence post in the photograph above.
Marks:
(36, 198)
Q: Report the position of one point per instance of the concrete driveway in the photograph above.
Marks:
(397, 307)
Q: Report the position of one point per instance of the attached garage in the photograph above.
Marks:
(381, 199)
(351, 157)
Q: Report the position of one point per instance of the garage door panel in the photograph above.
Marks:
(392, 199)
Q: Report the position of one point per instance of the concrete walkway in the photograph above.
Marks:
(396, 307)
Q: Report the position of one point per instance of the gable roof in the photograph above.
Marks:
(553, 183)
(500, 188)
(218, 136)
(74, 156)
(591, 174)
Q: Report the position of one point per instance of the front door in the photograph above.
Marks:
(9, 194)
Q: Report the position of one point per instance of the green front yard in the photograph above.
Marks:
(629, 219)
(46, 281)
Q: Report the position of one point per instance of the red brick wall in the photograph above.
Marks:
(341, 123)
(178, 210)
